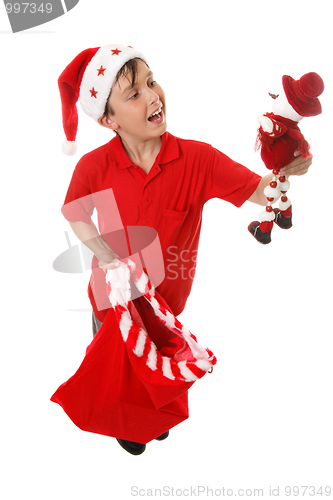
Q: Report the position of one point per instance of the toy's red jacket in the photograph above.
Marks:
(278, 148)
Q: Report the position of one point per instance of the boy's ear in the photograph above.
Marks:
(106, 122)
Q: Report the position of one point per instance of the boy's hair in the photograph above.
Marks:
(129, 68)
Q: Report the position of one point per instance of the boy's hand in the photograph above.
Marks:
(108, 261)
(299, 166)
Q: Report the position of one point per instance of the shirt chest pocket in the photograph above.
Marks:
(174, 214)
(174, 223)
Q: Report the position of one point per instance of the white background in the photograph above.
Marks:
(264, 417)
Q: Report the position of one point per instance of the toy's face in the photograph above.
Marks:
(282, 107)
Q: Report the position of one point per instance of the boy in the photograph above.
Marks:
(157, 180)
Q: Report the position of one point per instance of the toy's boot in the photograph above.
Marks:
(261, 231)
(283, 218)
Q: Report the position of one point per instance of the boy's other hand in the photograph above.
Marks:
(299, 166)
(109, 262)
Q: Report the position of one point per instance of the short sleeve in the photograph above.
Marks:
(229, 180)
(78, 205)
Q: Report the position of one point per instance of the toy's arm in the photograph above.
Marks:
(266, 124)
(271, 127)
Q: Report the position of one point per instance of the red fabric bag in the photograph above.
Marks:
(133, 382)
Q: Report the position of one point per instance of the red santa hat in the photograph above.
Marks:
(303, 94)
(89, 79)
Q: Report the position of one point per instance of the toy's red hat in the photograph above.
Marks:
(303, 94)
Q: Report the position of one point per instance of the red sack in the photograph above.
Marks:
(133, 381)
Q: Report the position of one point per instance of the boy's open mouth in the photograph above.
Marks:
(157, 116)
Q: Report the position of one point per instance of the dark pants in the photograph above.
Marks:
(95, 324)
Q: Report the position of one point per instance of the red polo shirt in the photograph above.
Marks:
(170, 199)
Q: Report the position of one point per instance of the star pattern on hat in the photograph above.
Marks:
(101, 71)
(93, 93)
(115, 52)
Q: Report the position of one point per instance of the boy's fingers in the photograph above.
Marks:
(110, 265)
(297, 167)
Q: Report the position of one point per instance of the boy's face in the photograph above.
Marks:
(134, 106)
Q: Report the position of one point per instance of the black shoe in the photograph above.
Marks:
(259, 235)
(281, 220)
(132, 447)
(162, 436)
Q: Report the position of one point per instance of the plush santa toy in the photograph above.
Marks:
(281, 140)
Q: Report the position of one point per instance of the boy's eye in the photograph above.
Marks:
(134, 96)
(153, 83)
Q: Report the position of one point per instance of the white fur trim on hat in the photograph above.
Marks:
(100, 74)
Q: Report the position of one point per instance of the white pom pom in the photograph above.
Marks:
(284, 205)
(271, 192)
(69, 148)
(267, 216)
(284, 186)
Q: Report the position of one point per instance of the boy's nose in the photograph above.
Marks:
(152, 97)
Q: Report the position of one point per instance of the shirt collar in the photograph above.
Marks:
(169, 151)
